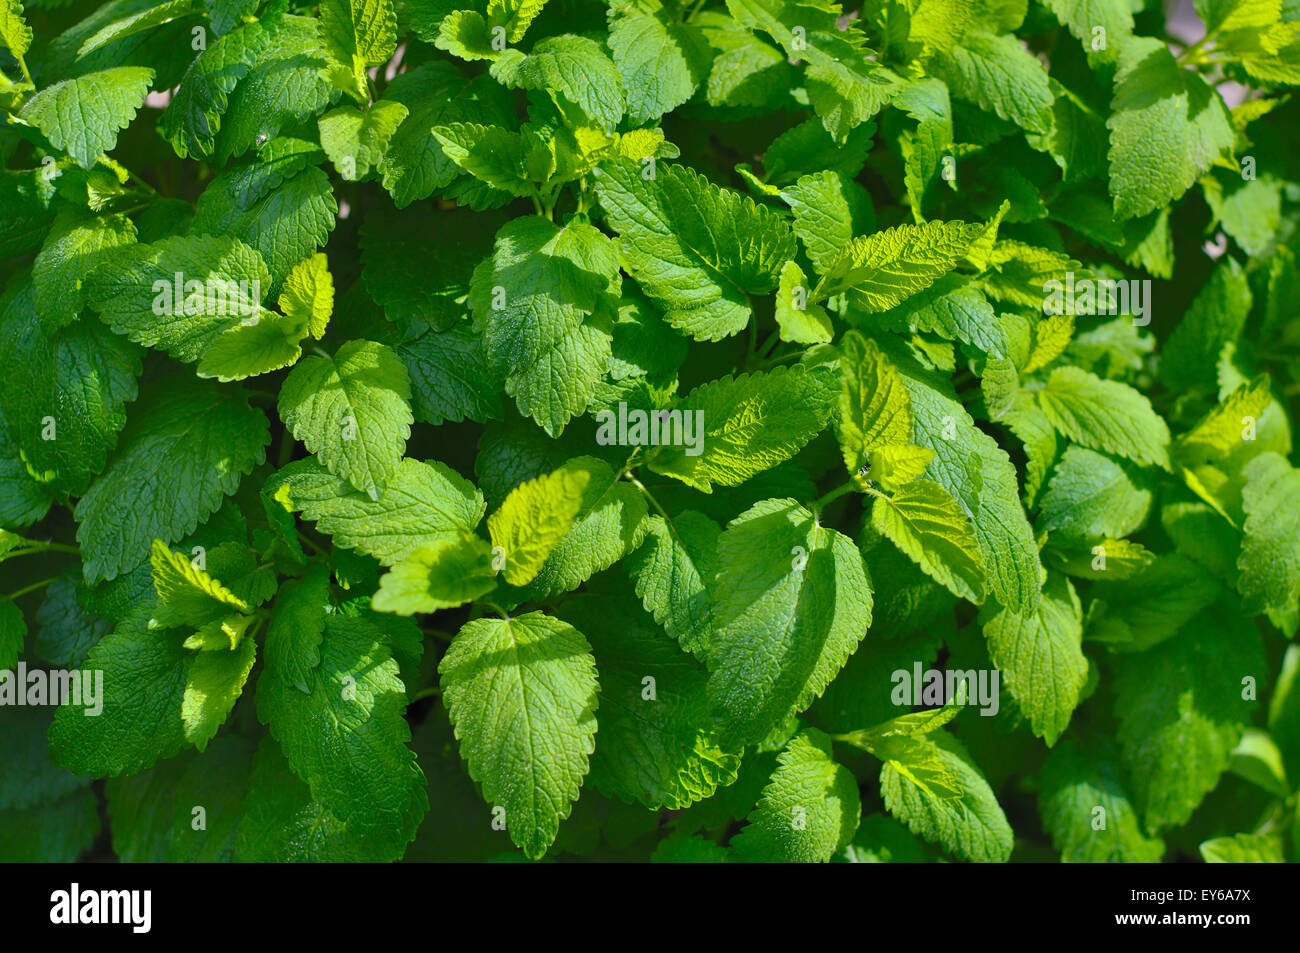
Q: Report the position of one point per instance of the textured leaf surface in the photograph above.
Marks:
(793, 602)
(695, 248)
(185, 448)
(352, 411)
(522, 696)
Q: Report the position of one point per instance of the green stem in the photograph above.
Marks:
(140, 182)
(694, 10)
(1192, 55)
(286, 449)
(433, 691)
(630, 464)
(498, 610)
(764, 365)
(30, 546)
(32, 588)
(772, 340)
(650, 497)
(22, 65)
(833, 495)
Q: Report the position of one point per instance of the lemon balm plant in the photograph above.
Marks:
(748, 431)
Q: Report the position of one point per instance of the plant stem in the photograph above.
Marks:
(694, 10)
(777, 360)
(650, 496)
(833, 495)
(32, 588)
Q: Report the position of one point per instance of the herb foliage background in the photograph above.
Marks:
(366, 581)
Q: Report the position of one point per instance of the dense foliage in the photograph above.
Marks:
(754, 431)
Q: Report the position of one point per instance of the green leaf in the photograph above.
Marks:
(1151, 605)
(186, 447)
(829, 209)
(74, 248)
(65, 393)
(434, 94)
(495, 156)
(440, 576)
(22, 499)
(674, 572)
(15, 34)
(307, 295)
(282, 823)
(750, 423)
(808, 811)
(1092, 496)
(194, 115)
(1087, 810)
(356, 141)
(656, 744)
(1218, 313)
(515, 15)
(285, 221)
(357, 34)
(698, 250)
(971, 466)
(352, 411)
(152, 813)
(1166, 128)
(60, 832)
(423, 504)
(137, 292)
(882, 270)
(545, 301)
(297, 626)
(970, 824)
(82, 116)
(464, 33)
(1242, 849)
(1000, 76)
(535, 517)
(157, 697)
(874, 409)
(68, 630)
(214, 682)
(1102, 26)
(574, 69)
(1108, 559)
(286, 85)
(925, 522)
(1040, 657)
(515, 687)
(188, 596)
(247, 350)
(1105, 415)
(610, 523)
(1223, 431)
(140, 22)
(801, 321)
(1181, 711)
(792, 602)
(451, 378)
(955, 309)
(1270, 552)
(661, 61)
(346, 736)
(845, 83)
